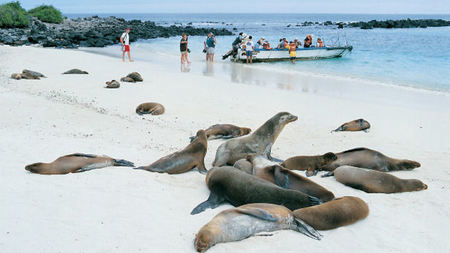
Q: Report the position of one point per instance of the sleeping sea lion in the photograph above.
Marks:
(372, 181)
(333, 214)
(311, 164)
(150, 108)
(192, 156)
(135, 77)
(258, 143)
(228, 184)
(288, 179)
(225, 131)
(370, 159)
(238, 223)
(76, 163)
(75, 71)
(33, 74)
(112, 84)
(355, 125)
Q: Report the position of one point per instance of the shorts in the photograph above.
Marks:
(126, 48)
(293, 58)
(249, 53)
(210, 50)
(293, 54)
(183, 52)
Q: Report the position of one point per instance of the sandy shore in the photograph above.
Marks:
(121, 210)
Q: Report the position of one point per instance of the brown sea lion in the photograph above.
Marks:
(192, 156)
(112, 84)
(75, 71)
(30, 73)
(127, 79)
(372, 181)
(76, 163)
(228, 184)
(355, 125)
(370, 159)
(287, 179)
(333, 214)
(135, 76)
(311, 164)
(258, 143)
(238, 223)
(225, 131)
(150, 108)
(16, 76)
(244, 165)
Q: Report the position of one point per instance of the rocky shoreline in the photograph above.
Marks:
(387, 24)
(93, 32)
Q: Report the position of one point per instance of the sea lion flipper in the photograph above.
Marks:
(329, 174)
(314, 201)
(191, 138)
(257, 213)
(212, 202)
(121, 162)
(311, 172)
(307, 230)
(281, 177)
(226, 137)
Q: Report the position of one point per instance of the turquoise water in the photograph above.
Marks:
(409, 57)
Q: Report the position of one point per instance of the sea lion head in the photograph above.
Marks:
(245, 130)
(285, 117)
(329, 157)
(204, 240)
(34, 168)
(417, 185)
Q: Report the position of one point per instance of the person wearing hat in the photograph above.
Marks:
(125, 41)
(210, 44)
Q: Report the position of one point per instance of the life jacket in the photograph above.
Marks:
(292, 47)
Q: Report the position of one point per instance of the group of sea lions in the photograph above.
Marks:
(266, 192)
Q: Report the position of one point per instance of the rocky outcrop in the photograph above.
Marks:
(93, 32)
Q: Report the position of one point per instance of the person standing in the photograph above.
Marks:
(125, 41)
(249, 47)
(210, 45)
(293, 51)
(184, 49)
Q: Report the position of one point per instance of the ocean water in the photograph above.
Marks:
(414, 57)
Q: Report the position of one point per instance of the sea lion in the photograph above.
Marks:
(228, 184)
(333, 214)
(370, 159)
(16, 76)
(355, 125)
(112, 84)
(150, 108)
(127, 79)
(75, 71)
(238, 223)
(258, 143)
(225, 131)
(372, 181)
(76, 163)
(287, 179)
(135, 76)
(182, 161)
(311, 164)
(244, 165)
(31, 74)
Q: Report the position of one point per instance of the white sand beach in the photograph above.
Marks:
(118, 209)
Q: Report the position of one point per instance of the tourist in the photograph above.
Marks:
(319, 43)
(292, 51)
(308, 41)
(249, 47)
(235, 46)
(184, 49)
(125, 41)
(259, 44)
(210, 45)
(266, 45)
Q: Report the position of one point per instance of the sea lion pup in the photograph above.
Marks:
(228, 184)
(182, 161)
(311, 164)
(333, 214)
(288, 179)
(370, 159)
(225, 131)
(238, 223)
(75, 71)
(372, 181)
(355, 125)
(112, 84)
(151, 108)
(244, 165)
(258, 143)
(76, 163)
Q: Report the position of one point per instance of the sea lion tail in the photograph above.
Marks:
(307, 230)
(314, 201)
(212, 202)
(121, 162)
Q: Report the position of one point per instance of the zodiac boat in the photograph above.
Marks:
(312, 53)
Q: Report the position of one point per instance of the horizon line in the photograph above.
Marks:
(247, 13)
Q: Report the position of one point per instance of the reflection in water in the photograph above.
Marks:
(185, 67)
(209, 69)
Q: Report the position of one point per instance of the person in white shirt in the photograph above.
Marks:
(249, 47)
(125, 41)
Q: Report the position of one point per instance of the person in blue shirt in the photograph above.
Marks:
(210, 45)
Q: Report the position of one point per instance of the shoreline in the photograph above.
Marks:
(118, 209)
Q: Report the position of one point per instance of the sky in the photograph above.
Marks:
(246, 6)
